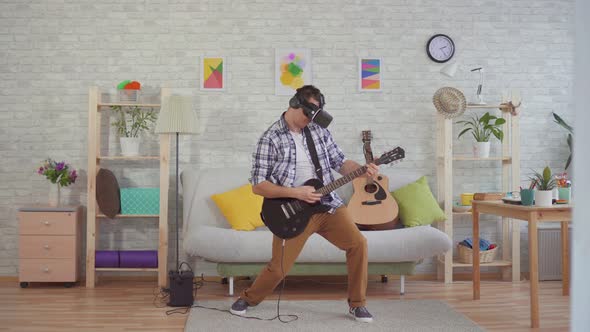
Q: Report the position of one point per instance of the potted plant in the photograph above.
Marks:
(130, 122)
(570, 140)
(60, 174)
(482, 128)
(545, 184)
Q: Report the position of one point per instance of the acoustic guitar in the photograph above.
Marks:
(372, 207)
(288, 217)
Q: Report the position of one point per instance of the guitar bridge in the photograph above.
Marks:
(371, 203)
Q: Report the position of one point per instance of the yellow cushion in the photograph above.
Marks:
(241, 207)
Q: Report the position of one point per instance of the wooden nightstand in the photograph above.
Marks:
(49, 244)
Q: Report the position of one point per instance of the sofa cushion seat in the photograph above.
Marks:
(231, 246)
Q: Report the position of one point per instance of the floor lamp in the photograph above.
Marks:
(177, 117)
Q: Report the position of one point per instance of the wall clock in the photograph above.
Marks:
(440, 48)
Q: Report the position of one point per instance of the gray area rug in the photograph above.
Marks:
(389, 315)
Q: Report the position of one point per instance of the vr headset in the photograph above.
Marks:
(312, 112)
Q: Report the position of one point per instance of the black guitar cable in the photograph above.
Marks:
(278, 316)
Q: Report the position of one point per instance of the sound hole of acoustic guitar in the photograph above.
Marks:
(371, 188)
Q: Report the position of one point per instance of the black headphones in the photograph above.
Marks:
(311, 111)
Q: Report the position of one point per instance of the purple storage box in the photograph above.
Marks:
(107, 258)
(138, 258)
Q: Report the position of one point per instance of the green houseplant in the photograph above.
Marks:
(545, 184)
(130, 122)
(482, 128)
(570, 139)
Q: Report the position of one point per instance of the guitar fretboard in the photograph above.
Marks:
(342, 181)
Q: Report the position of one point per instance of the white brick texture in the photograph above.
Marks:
(52, 51)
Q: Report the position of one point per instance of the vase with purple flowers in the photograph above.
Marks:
(60, 174)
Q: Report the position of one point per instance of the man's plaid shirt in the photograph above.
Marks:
(274, 159)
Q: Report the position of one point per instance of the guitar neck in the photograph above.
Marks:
(325, 190)
(368, 152)
(388, 157)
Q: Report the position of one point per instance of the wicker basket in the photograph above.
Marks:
(466, 255)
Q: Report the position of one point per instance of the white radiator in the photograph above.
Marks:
(550, 250)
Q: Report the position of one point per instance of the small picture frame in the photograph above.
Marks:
(213, 73)
(370, 74)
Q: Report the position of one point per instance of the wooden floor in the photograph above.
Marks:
(118, 305)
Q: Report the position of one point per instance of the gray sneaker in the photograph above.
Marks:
(361, 314)
(239, 307)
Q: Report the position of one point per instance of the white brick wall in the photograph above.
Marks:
(51, 51)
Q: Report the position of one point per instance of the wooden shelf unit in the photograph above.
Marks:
(468, 158)
(127, 104)
(497, 262)
(100, 215)
(128, 158)
(125, 269)
(93, 215)
(509, 160)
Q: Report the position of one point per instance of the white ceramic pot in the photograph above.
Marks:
(129, 146)
(544, 197)
(481, 149)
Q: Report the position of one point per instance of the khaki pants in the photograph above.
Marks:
(340, 230)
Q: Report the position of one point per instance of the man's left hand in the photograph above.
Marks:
(372, 170)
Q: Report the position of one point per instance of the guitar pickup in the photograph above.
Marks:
(291, 207)
(285, 211)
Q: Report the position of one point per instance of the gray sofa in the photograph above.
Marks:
(207, 234)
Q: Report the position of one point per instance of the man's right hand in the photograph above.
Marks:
(307, 194)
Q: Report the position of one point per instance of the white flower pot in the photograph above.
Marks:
(544, 198)
(481, 149)
(129, 146)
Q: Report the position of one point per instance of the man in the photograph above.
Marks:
(281, 164)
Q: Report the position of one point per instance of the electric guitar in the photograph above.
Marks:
(372, 207)
(288, 217)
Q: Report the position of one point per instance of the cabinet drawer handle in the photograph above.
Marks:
(45, 269)
(46, 246)
(46, 223)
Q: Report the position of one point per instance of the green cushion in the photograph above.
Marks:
(417, 205)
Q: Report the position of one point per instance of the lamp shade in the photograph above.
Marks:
(450, 69)
(177, 116)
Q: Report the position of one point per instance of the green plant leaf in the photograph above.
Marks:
(562, 123)
(498, 133)
(500, 121)
(547, 173)
(485, 118)
(463, 132)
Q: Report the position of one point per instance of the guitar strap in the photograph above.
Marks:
(314, 154)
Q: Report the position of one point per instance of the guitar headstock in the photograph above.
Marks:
(367, 136)
(391, 156)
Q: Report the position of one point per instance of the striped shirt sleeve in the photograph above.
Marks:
(263, 160)
(335, 155)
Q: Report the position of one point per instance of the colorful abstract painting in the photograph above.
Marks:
(213, 73)
(292, 70)
(370, 74)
